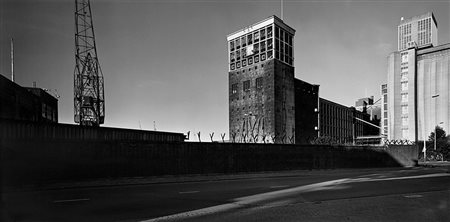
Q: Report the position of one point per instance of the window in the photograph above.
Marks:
(234, 88)
(232, 45)
(270, 54)
(243, 41)
(238, 65)
(404, 86)
(405, 109)
(263, 46)
(238, 43)
(250, 60)
(263, 34)
(263, 57)
(269, 32)
(44, 109)
(281, 35)
(256, 48)
(243, 53)
(259, 83)
(277, 31)
(246, 85)
(244, 63)
(269, 44)
(256, 59)
(404, 97)
(249, 39)
(404, 76)
(238, 55)
(256, 36)
(232, 57)
(232, 66)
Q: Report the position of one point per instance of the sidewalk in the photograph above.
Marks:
(435, 164)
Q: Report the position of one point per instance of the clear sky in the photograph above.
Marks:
(166, 61)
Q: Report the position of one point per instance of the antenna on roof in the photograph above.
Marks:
(281, 9)
(12, 60)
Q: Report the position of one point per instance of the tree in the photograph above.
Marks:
(442, 144)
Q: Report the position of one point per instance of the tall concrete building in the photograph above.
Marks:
(261, 82)
(418, 81)
(419, 31)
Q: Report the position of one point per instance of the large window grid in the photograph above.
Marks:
(259, 46)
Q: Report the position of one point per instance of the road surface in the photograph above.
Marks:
(414, 194)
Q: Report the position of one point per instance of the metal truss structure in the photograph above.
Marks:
(89, 100)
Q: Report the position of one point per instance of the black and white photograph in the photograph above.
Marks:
(224, 110)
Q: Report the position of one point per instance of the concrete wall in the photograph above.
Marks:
(40, 161)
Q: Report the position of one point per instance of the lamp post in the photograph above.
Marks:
(433, 97)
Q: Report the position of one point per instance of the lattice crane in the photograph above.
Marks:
(89, 100)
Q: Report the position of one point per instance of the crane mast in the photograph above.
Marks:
(89, 100)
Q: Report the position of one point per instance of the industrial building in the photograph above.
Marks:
(306, 111)
(342, 123)
(26, 103)
(418, 81)
(268, 104)
(261, 82)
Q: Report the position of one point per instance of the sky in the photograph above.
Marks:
(165, 62)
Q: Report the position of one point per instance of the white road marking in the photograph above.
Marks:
(413, 196)
(71, 200)
(280, 186)
(245, 201)
(187, 192)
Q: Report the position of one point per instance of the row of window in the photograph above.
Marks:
(249, 51)
(251, 60)
(424, 38)
(404, 85)
(251, 38)
(404, 97)
(246, 85)
(424, 24)
(404, 109)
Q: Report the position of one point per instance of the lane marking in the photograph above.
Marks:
(71, 200)
(248, 200)
(280, 186)
(413, 196)
(187, 192)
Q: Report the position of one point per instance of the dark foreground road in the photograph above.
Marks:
(417, 194)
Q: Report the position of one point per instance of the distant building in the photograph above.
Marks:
(341, 122)
(31, 104)
(306, 111)
(418, 82)
(261, 82)
(367, 104)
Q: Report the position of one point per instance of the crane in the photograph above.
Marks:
(89, 100)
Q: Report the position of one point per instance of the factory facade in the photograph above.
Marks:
(26, 103)
(417, 91)
(261, 82)
(267, 103)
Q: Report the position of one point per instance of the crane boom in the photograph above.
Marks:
(89, 100)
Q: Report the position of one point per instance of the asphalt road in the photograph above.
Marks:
(416, 194)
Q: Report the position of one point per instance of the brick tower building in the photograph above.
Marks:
(261, 83)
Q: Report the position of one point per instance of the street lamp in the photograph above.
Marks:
(433, 97)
